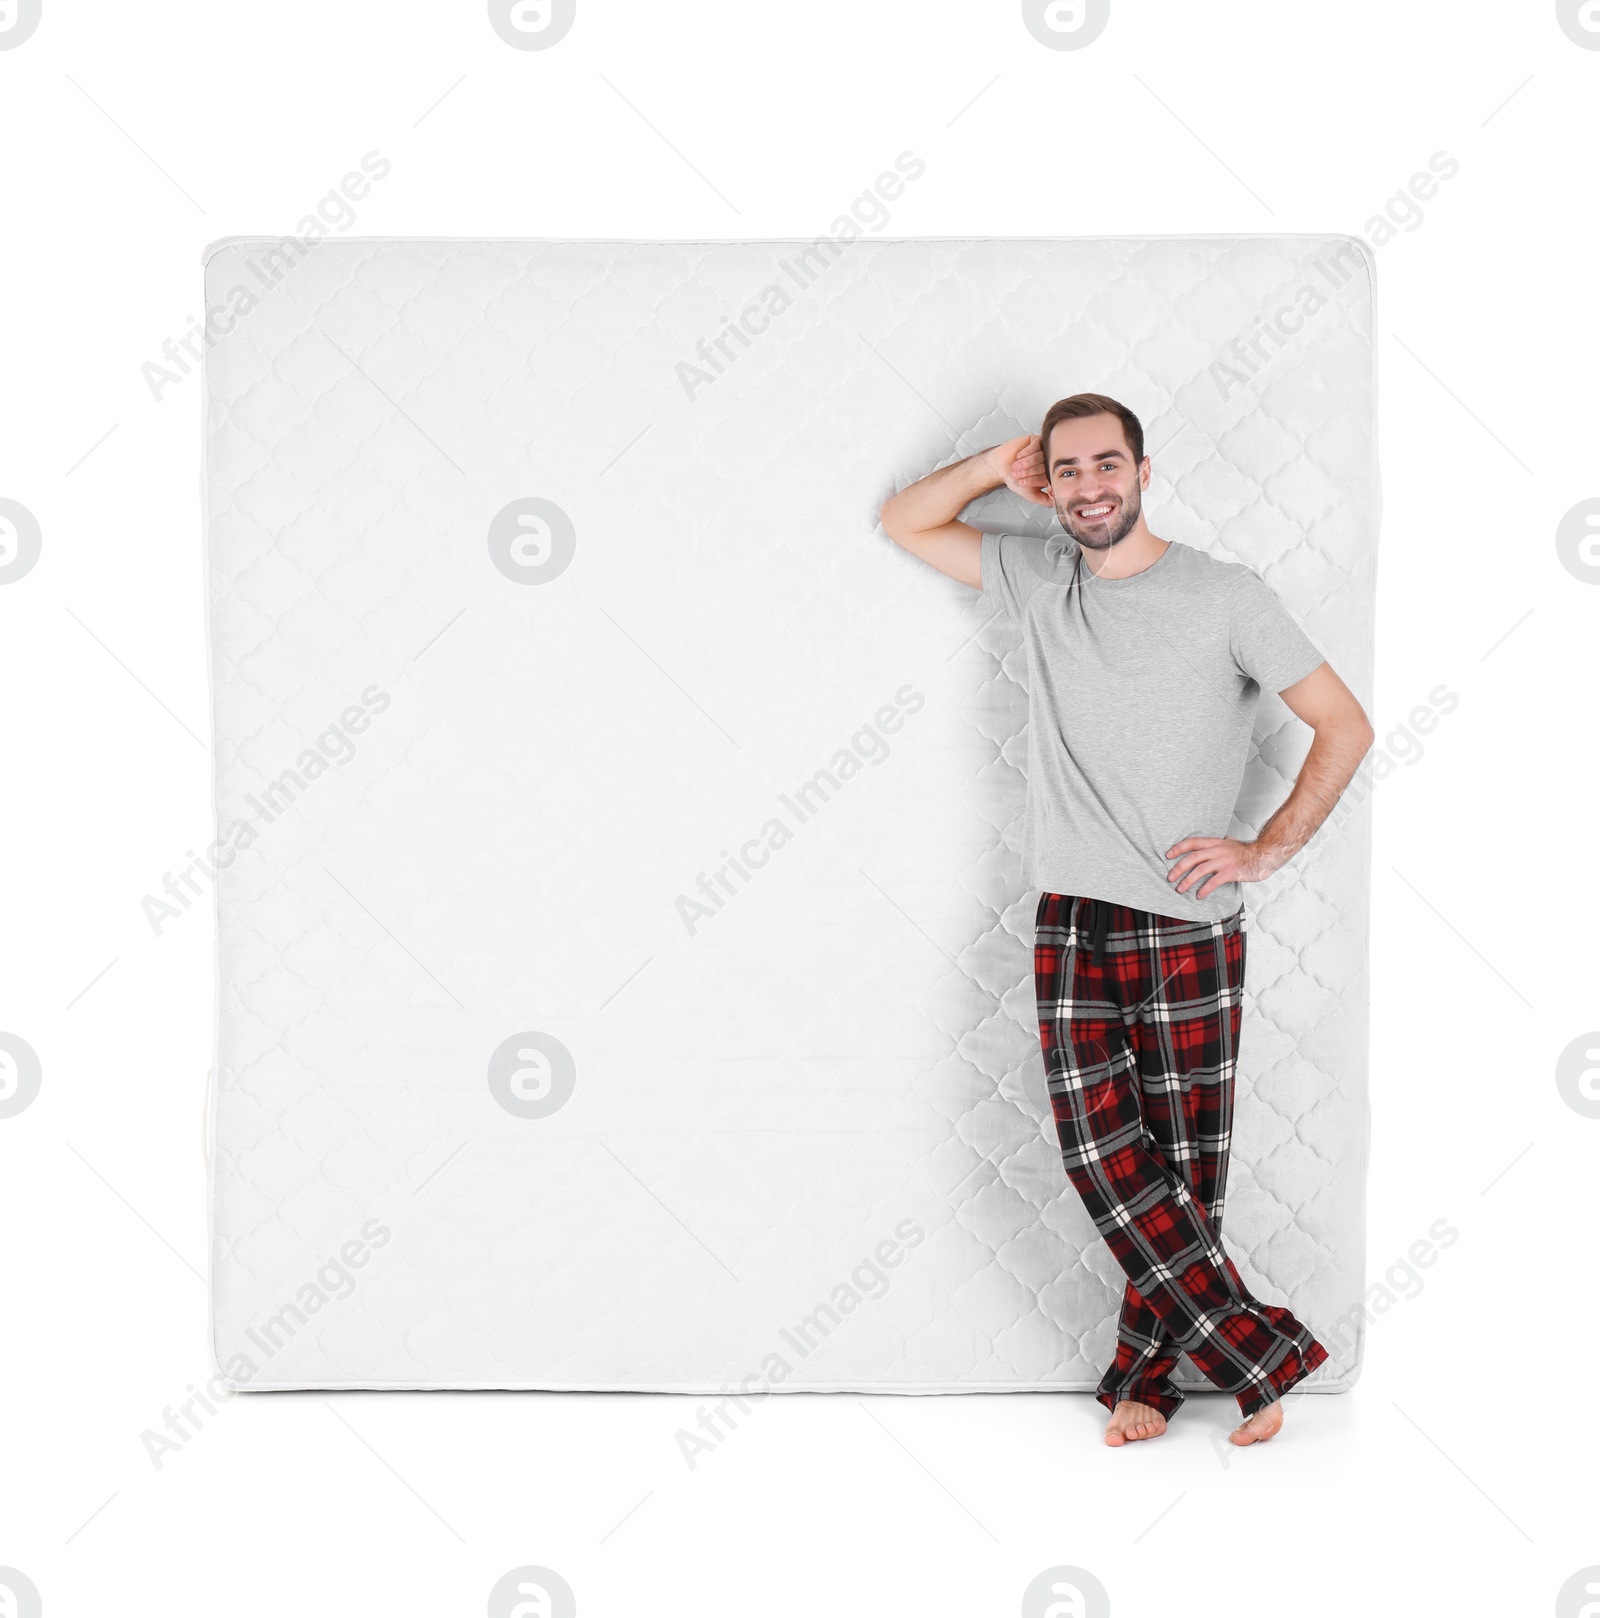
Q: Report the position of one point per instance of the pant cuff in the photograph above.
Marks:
(1166, 1403)
(1295, 1367)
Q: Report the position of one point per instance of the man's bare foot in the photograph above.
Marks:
(1257, 1429)
(1130, 1421)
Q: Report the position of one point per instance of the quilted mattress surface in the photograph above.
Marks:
(623, 964)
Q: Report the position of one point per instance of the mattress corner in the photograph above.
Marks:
(1368, 256)
(212, 248)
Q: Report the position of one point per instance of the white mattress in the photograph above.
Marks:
(493, 1106)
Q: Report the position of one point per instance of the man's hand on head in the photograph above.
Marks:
(1019, 462)
(925, 517)
(1213, 861)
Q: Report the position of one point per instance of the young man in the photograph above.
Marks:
(1146, 660)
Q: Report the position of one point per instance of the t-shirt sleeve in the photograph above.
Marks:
(1009, 568)
(1268, 646)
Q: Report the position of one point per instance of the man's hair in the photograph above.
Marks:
(1092, 404)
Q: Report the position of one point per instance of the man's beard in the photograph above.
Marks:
(1101, 536)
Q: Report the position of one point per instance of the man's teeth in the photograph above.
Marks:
(1095, 511)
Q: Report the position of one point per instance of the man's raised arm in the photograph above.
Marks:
(924, 518)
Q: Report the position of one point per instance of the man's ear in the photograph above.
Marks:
(1144, 473)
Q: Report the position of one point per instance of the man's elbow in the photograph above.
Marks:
(890, 526)
(1349, 731)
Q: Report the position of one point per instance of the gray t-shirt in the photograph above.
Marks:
(1142, 695)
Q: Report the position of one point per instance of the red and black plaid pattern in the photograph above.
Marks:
(1139, 1018)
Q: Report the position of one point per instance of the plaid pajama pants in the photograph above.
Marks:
(1139, 1018)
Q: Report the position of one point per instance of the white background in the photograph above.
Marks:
(1459, 1473)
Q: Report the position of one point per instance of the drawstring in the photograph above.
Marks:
(1100, 920)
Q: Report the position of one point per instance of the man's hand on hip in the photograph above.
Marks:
(1213, 861)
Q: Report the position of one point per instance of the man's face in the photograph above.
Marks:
(1095, 481)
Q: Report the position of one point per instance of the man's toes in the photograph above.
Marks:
(1126, 1427)
(1256, 1429)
